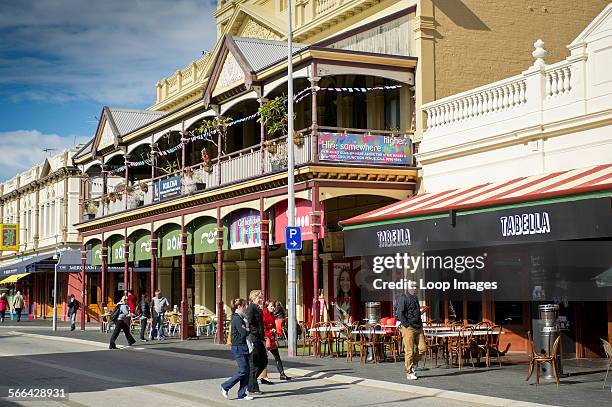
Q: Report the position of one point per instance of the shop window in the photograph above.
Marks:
(508, 313)
(474, 312)
(94, 280)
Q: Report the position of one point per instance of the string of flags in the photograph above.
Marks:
(298, 97)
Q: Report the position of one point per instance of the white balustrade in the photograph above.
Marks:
(558, 79)
(325, 5)
(241, 167)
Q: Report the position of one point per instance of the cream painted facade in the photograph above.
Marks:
(550, 117)
(44, 200)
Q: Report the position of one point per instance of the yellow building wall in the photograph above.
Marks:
(478, 42)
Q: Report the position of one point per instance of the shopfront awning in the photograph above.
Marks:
(572, 204)
(70, 262)
(13, 279)
(23, 266)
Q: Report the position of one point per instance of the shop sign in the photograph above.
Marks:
(525, 224)
(142, 247)
(365, 148)
(9, 236)
(205, 236)
(96, 254)
(303, 219)
(167, 188)
(244, 230)
(170, 242)
(117, 251)
(393, 237)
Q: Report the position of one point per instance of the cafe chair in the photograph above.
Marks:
(608, 349)
(369, 340)
(352, 341)
(536, 359)
(308, 341)
(174, 324)
(491, 345)
(392, 342)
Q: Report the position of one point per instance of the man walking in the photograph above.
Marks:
(18, 305)
(73, 306)
(258, 356)
(122, 323)
(408, 312)
(160, 304)
(144, 312)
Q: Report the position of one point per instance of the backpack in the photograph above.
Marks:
(115, 314)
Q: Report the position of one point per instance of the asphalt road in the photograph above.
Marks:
(95, 376)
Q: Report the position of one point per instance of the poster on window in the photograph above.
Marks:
(342, 287)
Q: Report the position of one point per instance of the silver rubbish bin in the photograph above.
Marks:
(373, 312)
(548, 334)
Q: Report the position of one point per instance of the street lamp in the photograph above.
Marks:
(292, 345)
(57, 256)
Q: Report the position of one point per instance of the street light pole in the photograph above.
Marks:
(292, 345)
(57, 256)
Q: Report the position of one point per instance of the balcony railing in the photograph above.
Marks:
(249, 163)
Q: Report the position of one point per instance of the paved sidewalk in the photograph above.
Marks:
(583, 386)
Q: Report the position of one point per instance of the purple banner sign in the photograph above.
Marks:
(363, 148)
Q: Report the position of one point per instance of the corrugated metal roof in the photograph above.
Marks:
(128, 120)
(261, 54)
(84, 150)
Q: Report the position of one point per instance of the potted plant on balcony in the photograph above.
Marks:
(273, 116)
(298, 139)
(206, 163)
(112, 197)
(91, 210)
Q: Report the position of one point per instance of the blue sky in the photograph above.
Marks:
(62, 60)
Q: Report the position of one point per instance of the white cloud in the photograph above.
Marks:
(22, 149)
(111, 52)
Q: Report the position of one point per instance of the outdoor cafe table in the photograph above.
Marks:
(446, 335)
(326, 329)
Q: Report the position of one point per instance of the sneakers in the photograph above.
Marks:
(223, 392)
(412, 375)
(247, 397)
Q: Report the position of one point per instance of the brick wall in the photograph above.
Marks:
(479, 41)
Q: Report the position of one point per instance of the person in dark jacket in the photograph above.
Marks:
(408, 312)
(258, 357)
(144, 313)
(240, 350)
(73, 306)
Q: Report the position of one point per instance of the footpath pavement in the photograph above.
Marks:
(495, 386)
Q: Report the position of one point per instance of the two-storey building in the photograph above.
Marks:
(198, 211)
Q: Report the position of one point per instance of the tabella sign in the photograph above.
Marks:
(364, 148)
(525, 224)
(167, 188)
(393, 237)
(9, 236)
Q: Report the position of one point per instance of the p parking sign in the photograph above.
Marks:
(293, 238)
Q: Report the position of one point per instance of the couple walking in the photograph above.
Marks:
(253, 334)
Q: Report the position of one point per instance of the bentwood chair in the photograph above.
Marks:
(491, 345)
(308, 341)
(369, 341)
(352, 341)
(536, 359)
(608, 349)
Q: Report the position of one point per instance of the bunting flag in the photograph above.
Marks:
(298, 97)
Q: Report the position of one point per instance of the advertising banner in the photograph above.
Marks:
(117, 249)
(142, 247)
(205, 236)
(167, 188)
(170, 242)
(364, 148)
(303, 218)
(244, 230)
(9, 236)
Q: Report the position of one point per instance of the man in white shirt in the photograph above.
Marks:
(160, 304)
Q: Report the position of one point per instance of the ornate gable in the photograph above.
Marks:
(231, 74)
(107, 134)
(253, 29)
(107, 138)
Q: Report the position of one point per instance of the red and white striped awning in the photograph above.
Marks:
(524, 189)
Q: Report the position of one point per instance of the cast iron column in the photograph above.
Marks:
(152, 287)
(262, 140)
(83, 288)
(220, 317)
(264, 233)
(314, 139)
(103, 272)
(184, 304)
(127, 180)
(314, 224)
(127, 277)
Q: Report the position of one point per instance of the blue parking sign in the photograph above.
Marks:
(293, 238)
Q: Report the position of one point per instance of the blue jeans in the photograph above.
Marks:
(241, 354)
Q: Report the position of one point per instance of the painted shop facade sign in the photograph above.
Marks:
(365, 148)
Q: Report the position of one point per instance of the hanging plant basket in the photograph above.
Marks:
(298, 139)
(208, 168)
(271, 147)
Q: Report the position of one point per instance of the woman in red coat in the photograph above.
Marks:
(269, 322)
(3, 306)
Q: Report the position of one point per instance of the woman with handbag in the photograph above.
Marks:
(271, 345)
